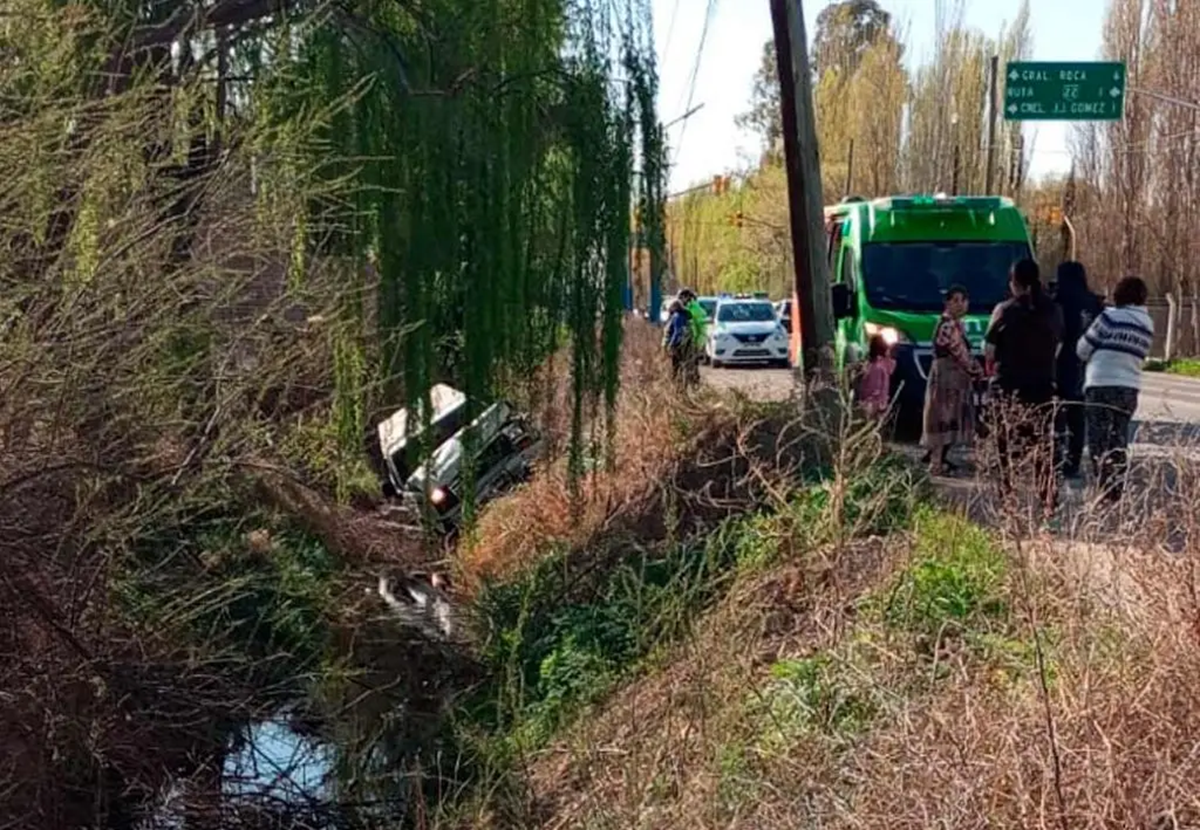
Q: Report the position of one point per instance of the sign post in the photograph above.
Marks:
(1064, 91)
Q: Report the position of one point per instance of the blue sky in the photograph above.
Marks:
(710, 142)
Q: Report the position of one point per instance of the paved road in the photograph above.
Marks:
(1168, 410)
(1168, 415)
(756, 384)
(1166, 445)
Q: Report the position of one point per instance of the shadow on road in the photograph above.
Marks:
(1168, 435)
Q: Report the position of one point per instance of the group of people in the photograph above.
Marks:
(1064, 370)
(684, 335)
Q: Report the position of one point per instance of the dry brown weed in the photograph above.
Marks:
(654, 425)
(1100, 727)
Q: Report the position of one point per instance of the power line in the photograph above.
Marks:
(683, 117)
(670, 32)
(708, 15)
(1154, 143)
(1179, 102)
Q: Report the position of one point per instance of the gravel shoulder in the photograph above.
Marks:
(1164, 483)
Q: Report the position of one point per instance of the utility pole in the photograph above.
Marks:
(955, 172)
(1067, 230)
(1012, 167)
(1020, 183)
(993, 94)
(957, 162)
(812, 296)
(849, 170)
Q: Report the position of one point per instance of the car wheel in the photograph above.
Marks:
(716, 364)
(783, 364)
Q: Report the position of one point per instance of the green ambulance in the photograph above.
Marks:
(891, 261)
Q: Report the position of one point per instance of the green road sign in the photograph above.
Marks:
(1064, 91)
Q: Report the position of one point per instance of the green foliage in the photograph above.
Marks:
(885, 496)
(814, 694)
(557, 643)
(955, 582)
(260, 604)
(1186, 367)
(554, 656)
(494, 184)
(712, 254)
(757, 545)
(764, 116)
(446, 184)
(316, 446)
(845, 31)
(738, 782)
(880, 499)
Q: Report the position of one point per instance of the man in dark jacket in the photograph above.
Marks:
(677, 339)
(1023, 341)
(1079, 306)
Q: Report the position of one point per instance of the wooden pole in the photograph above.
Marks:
(993, 82)
(1069, 232)
(849, 170)
(1172, 314)
(955, 172)
(812, 299)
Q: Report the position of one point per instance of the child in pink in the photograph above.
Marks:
(874, 391)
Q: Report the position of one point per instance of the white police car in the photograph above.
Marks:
(746, 330)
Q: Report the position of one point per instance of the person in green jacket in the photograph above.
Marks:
(698, 323)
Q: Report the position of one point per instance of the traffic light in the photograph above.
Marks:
(1049, 214)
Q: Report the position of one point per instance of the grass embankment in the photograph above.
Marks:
(571, 612)
(1185, 366)
(925, 678)
(848, 655)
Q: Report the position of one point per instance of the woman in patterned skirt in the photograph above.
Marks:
(949, 417)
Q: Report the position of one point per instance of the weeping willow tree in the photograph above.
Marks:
(488, 148)
(479, 172)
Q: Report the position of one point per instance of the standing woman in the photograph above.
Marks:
(1023, 342)
(1114, 348)
(949, 416)
(1079, 308)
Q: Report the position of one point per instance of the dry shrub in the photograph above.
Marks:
(143, 320)
(650, 434)
(1075, 703)
(1105, 736)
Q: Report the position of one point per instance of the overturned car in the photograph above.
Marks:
(503, 446)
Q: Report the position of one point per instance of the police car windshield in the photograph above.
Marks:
(750, 312)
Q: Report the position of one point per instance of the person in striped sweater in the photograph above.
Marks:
(1114, 348)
